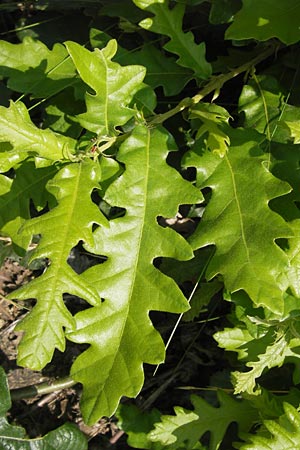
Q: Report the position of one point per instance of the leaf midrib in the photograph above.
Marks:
(238, 207)
(57, 267)
(126, 314)
(179, 39)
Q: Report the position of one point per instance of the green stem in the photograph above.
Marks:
(214, 85)
(42, 388)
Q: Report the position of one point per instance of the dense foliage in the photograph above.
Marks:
(88, 129)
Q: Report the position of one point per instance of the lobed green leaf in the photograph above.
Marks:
(239, 222)
(184, 430)
(32, 68)
(266, 19)
(119, 331)
(169, 22)
(25, 139)
(61, 230)
(114, 87)
(283, 433)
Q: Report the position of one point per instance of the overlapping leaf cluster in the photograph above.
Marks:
(101, 147)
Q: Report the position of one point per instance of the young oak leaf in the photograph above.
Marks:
(25, 139)
(119, 331)
(284, 433)
(114, 87)
(61, 229)
(213, 118)
(169, 22)
(32, 68)
(274, 355)
(185, 429)
(239, 222)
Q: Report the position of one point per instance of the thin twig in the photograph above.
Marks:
(214, 85)
(42, 388)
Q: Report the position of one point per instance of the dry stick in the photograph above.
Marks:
(42, 388)
(215, 85)
(217, 388)
(114, 439)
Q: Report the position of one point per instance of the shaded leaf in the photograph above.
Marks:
(285, 161)
(26, 139)
(15, 196)
(59, 113)
(161, 70)
(184, 430)
(32, 68)
(124, 9)
(190, 270)
(239, 222)
(266, 19)
(222, 11)
(283, 433)
(201, 298)
(119, 331)
(61, 230)
(137, 425)
(169, 22)
(262, 103)
(270, 405)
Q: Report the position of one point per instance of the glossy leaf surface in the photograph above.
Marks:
(61, 230)
(113, 86)
(119, 330)
(26, 139)
(246, 254)
(32, 68)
